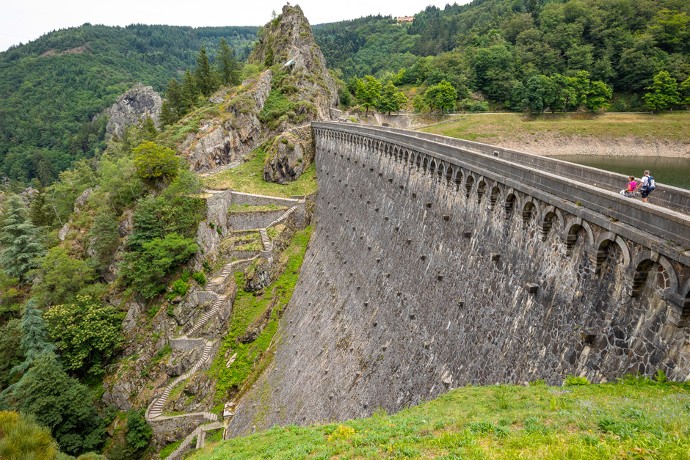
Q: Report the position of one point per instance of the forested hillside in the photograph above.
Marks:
(51, 88)
(499, 51)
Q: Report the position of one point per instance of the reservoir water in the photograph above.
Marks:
(669, 171)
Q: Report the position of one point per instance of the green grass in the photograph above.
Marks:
(630, 419)
(248, 178)
(169, 449)
(248, 307)
(494, 127)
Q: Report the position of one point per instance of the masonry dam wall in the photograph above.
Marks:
(434, 265)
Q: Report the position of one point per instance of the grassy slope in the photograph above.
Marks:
(248, 178)
(632, 419)
(495, 127)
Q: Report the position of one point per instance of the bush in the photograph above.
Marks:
(139, 432)
(155, 163)
(22, 437)
(200, 278)
(145, 271)
(572, 380)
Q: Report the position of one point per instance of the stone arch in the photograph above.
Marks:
(425, 163)
(529, 210)
(604, 242)
(469, 183)
(481, 189)
(510, 203)
(449, 174)
(440, 171)
(432, 167)
(493, 197)
(647, 263)
(458, 179)
(406, 156)
(547, 219)
(572, 230)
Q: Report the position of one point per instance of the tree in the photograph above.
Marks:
(61, 277)
(368, 92)
(21, 246)
(10, 350)
(598, 96)
(663, 94)
(155, 164)
(146, 270)
(104, 237)
(441, 96)
(22, 437)
(228, 67)
(86, 334)
(203, 75)
(540, 94)
(139, 432)
(60, 403)
(190, 91)
(391, 99)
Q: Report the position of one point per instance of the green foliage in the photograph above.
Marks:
(53, 87)
(368, 92)
(572, 380)
(441, 96)
(60, 403)
(663, 94)
(22, 438)
(104, 237)
(86, 333)
(145, 271)
(276, 106)
(61, 277)
(19, 240)
(228, 67)
(391, 99)
(34, 338)
(155, 164)
(200, 278)
(179, 288)
(139, 432)
(10, 350)
(59, 198)
(204, 78)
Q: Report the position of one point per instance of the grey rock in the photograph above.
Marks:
(131, 108)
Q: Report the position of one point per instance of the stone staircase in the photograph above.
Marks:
(154, 412)
(155, 409)
(200, 434)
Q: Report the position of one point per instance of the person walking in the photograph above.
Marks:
(647, 185)
(632, 186)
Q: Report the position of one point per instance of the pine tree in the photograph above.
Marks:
(189, 92)
(175, 105)
(228, 67)
(19, 239)
(34, 341)
(203, 75)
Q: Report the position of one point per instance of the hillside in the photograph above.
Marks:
(52, 87)
(634, 418)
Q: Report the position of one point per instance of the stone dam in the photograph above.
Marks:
(437, 263)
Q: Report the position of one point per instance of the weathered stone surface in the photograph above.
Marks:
(288, 41)
(289, 155)
(225, 140)
(132, 107)
(427, 305)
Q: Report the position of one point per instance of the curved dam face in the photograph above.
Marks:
(424, 275)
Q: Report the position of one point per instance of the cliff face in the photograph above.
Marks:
(131, 108)
(287, 41)
(296, 90)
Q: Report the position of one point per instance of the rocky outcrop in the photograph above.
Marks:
(226, 139)
(131, 108)
(287, 41)
(289, 155)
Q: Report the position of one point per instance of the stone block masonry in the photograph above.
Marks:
(432, 268)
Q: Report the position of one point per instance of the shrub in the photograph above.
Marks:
(572, 380)
(155, 163)
(200, 278)
(22, 437)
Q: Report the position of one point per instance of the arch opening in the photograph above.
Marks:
(469, 183)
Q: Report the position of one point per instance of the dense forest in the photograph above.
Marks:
(52, 88)
(499, 52)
